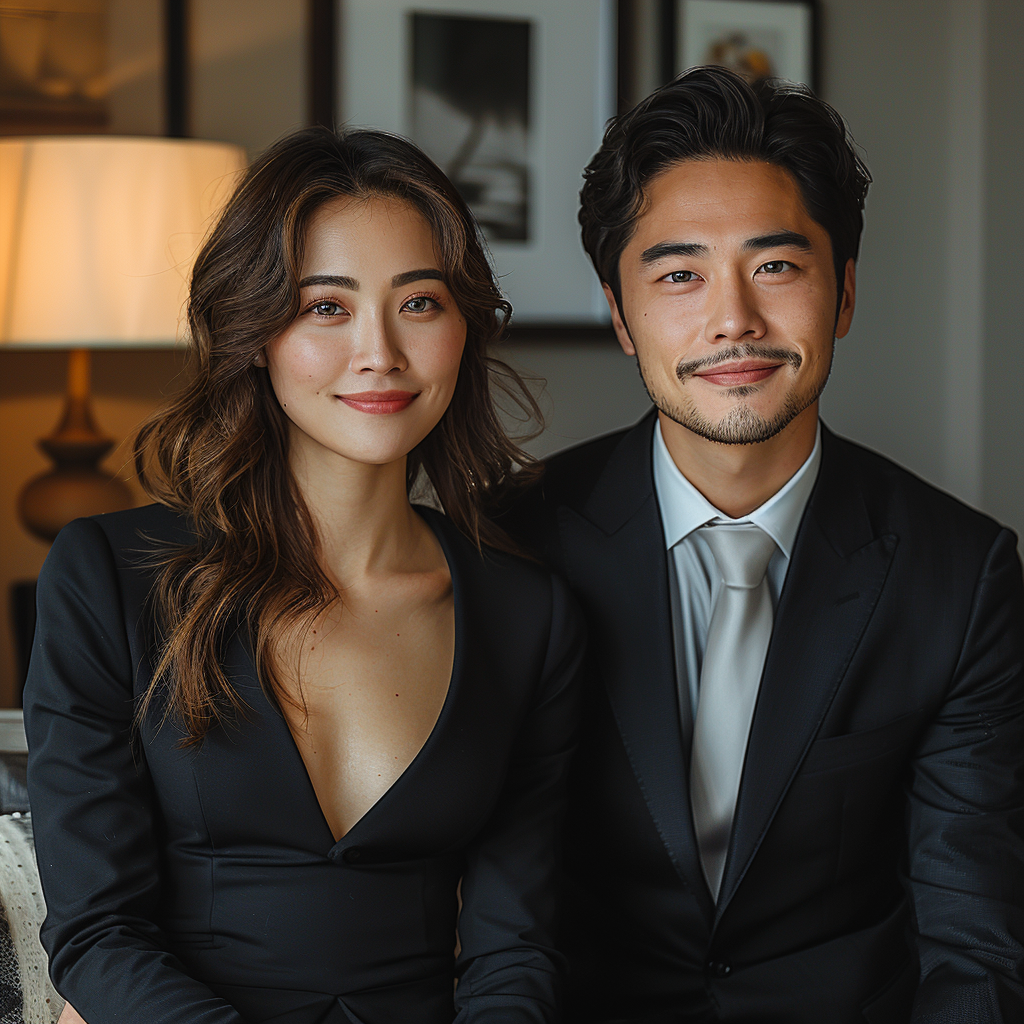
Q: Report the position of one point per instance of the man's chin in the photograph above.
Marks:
(741, 425)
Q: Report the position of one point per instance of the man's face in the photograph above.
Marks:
(729, 300)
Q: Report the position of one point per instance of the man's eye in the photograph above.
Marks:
(681, 277)
(776, 266)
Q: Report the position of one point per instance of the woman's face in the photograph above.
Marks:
(369, 365)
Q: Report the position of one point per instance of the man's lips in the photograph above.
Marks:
(732, 375)
(379, 401)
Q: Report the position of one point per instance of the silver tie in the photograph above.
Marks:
(738, 635)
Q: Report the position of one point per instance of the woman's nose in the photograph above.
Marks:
(377, 348)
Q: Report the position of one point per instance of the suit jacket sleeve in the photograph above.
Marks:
(966, 816)
(508, 968)
(96, 830)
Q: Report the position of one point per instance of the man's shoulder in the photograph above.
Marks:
(572, 472)
(569, 478)
(530, 512)
(898, 499)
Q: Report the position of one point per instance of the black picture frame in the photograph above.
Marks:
(177, 71)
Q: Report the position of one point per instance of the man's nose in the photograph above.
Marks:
(733, 313)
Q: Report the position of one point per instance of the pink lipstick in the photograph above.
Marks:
(378, 402)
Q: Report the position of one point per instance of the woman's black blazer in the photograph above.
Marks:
(204, 886)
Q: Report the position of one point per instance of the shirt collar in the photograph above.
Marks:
(684, 509)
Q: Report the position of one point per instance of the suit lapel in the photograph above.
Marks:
(614, 546)
(280, 770)
(838, 569)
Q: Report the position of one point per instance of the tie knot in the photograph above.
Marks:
(742, 553)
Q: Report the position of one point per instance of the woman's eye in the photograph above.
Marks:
(776, 266)
(421, 304)
(325, 308)
(681, 277)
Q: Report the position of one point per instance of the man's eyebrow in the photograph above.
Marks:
(334, 280)
(665, 249)
(778, 239)
(399, 280)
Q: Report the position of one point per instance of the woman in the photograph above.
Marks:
(276, 717)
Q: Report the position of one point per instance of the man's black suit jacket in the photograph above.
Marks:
(877, 859)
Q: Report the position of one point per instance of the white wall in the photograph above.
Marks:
(884, 70)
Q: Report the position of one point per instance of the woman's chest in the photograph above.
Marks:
(247, 792)
(367, 697)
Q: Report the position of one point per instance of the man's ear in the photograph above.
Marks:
(848, 300)
(621, 331)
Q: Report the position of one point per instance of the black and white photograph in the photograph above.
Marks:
(510, 98)
(470, 111)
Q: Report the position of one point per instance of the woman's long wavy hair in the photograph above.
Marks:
(218, 454)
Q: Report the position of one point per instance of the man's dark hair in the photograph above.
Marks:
(710, 113)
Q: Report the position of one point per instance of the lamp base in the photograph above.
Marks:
(76, 486)
(50, 501)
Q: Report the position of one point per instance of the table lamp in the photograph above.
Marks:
(97, 238)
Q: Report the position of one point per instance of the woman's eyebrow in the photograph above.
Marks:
(335, 280)
(416, 275)
(352, 285)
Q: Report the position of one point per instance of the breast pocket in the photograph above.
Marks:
(862, 775)
(856, 748)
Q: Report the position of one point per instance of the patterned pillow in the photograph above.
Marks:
(26, 995)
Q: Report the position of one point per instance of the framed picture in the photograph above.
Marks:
(510, 98)
(53, 67)
(93, 66)
(756, 38)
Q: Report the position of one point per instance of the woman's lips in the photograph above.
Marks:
(379, 401)
(735, 375)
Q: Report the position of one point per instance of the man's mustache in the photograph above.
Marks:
(689, 367)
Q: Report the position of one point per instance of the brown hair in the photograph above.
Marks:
(218, 453)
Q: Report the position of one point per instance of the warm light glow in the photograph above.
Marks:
(98, 235)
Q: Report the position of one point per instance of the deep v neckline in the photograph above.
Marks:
(437, 528)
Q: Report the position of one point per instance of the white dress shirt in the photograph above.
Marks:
(694, 578)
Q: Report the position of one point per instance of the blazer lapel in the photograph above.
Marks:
(837, 573)
(616, 556)
(280, 772)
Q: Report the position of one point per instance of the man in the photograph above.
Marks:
(799, 795)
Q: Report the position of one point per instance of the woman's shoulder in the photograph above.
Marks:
(103, 565)
(123, 536)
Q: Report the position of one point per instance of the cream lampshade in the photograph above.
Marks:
(97, 238)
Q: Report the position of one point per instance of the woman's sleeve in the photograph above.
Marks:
(93, 808)
(508, 967)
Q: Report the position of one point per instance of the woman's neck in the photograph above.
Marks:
(364, 521)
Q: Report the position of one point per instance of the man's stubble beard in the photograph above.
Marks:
(741, 425)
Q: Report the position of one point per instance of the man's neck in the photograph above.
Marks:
(738, 478)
